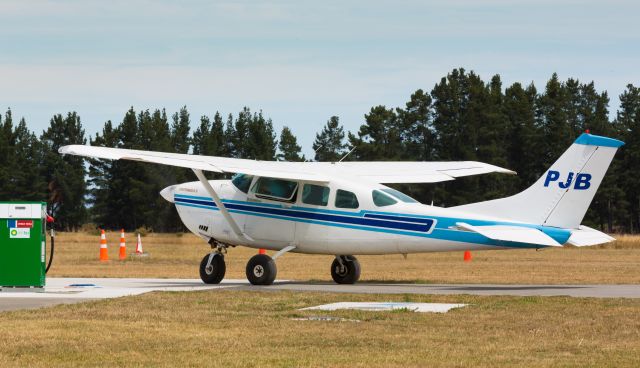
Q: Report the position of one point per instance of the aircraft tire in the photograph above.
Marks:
(261, 270)
(216, 272)
(351, 272)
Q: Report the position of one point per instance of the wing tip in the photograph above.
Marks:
(66, 149)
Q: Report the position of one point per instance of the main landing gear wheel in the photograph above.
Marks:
(261, 270)
(212, 268)
(345, 270)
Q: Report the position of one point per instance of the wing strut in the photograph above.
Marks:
(234, 226)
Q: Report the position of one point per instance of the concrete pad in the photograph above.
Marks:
(69, 290)
(9, 304)
(389, 306)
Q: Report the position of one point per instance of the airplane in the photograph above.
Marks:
(344, 209)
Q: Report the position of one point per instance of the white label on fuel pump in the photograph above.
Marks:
(42, 252)
(19, 233)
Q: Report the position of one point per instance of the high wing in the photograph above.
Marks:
(384, 172)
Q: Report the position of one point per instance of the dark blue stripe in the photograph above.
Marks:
(196, 201)
(423, 226)
(424, 221)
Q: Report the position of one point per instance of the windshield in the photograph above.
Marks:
(399, 195)
(380, 199)
(242, 181)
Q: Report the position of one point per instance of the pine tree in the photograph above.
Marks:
(7, 142)
(200, 138)
(230, 138)
(628, 123)
(21, 162)
(217, 144)
(121, 202)
(457, 101)
(208, 139)
(65, 175)
(416, 130)
(288, 146)
(29, 182)
(180, 131)
(379, 139)
(558, 134)
(329, 143)
(525, 149)
(260, 141)
(100, 178)
(241, 134)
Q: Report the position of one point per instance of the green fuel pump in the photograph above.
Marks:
(22, 244)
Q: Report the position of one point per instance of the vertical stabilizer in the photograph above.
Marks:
(561, 197)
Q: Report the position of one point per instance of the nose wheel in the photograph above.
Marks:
(212, 268)
(261, 270)
(345, 270)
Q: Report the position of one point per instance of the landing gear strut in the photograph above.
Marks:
(345, 270)
(261, 270)
(212, 266)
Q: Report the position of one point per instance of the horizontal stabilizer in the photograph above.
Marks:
(586, 236)
(512, 234)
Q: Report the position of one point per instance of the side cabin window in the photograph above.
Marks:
(381, 199)
(315, 195)
(346, 199)
(242, 182)
(275, 189)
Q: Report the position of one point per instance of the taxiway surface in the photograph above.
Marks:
(73, 290)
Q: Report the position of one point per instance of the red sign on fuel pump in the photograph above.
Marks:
(24, 224)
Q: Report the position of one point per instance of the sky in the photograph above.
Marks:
(300, 62)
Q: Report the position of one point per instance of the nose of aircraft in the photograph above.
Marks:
(167, 193)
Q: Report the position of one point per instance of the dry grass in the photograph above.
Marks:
(247, 329)
(178, 255)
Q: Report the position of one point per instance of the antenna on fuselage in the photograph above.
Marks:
(348, 153)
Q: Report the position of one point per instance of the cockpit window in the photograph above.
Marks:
(346, 199)
(380, 199)
(275, 189)
(399, 195)
(242, 182)
(315, 194)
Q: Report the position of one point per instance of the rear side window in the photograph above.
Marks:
(242, 182)
(315, 194)
(276, 189)
(346, 199)
(380, 199)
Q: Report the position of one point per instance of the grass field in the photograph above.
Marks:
(231, 328)
(178, 255)
(249, 329)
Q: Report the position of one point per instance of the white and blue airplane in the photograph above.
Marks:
(343, 208)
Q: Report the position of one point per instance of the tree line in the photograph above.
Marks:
(461, 118)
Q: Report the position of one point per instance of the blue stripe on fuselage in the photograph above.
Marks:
(388, 222)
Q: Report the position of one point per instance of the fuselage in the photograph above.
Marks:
(337, 218)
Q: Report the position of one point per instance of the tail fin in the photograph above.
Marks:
(561, 197)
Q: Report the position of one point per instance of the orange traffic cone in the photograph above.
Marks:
(139, 246)
(123, 246)
(262, 251)
(467, 256)
(104, 253)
